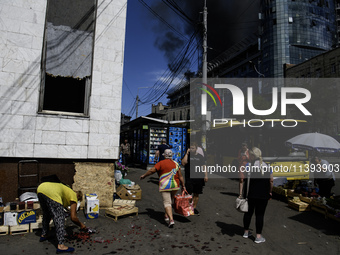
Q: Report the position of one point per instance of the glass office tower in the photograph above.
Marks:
(293, 31)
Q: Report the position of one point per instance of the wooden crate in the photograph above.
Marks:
(280, 191)
(130, 192)
(299, 205)
(38, 224)
(4, 230)
(320, 208)
(291, 193)
(121, 207)
(19, 229)
(332, 217)
(307, 200)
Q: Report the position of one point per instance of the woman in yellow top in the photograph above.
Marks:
(53, 198)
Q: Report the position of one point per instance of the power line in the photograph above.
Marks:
(161, 19)
(175, 7)
(246, 9)
(163, 84)
(177, 67)
(124, 82)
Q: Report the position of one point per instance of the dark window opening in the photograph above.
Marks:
(64, 94)
(67, 57)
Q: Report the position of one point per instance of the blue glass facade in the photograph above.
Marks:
(294, 31)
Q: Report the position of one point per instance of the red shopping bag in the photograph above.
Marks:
(182, 204)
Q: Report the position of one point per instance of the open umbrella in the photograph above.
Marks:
(314, 141)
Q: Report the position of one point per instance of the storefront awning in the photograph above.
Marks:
(168, 122)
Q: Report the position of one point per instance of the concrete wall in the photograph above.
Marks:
(27, 134)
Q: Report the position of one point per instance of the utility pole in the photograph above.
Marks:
(204, 76)
(137, 99)
(205, 39)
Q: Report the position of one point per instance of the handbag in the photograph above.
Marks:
(182, 204)
(241, 204)
(167, 181)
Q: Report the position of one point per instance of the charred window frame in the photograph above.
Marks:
(67, 57)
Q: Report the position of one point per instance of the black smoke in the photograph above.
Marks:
(229, 21)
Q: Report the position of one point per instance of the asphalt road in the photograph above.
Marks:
(218, 229)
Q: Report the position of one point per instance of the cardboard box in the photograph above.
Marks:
(91, 206)
(26, 217)
(19, 218)
(10, 218)
(130, 192)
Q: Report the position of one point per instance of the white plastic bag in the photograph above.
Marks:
(118, 175)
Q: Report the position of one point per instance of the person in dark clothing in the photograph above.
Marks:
(160, 150)
(260, 191)
(125, 150)
(323, 177)
(194, 184)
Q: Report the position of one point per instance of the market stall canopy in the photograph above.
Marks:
(314, 141)
(167, 121)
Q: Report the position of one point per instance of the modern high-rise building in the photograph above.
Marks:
(290, 32)
(293, 31)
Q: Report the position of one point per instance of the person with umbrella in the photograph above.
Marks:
(323, 177)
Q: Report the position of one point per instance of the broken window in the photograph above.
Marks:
(67, 57)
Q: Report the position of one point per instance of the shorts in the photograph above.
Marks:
(168, 197)
(194, 186)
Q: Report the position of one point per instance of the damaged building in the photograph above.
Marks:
(61, 69)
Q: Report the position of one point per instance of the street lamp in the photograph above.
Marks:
(259, 75)
(137, 99)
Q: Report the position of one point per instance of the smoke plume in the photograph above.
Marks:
(229, 21)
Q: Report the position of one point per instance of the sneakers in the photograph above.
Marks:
(247, 234)
(167, 220)
(260, 240)
(171, 224)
